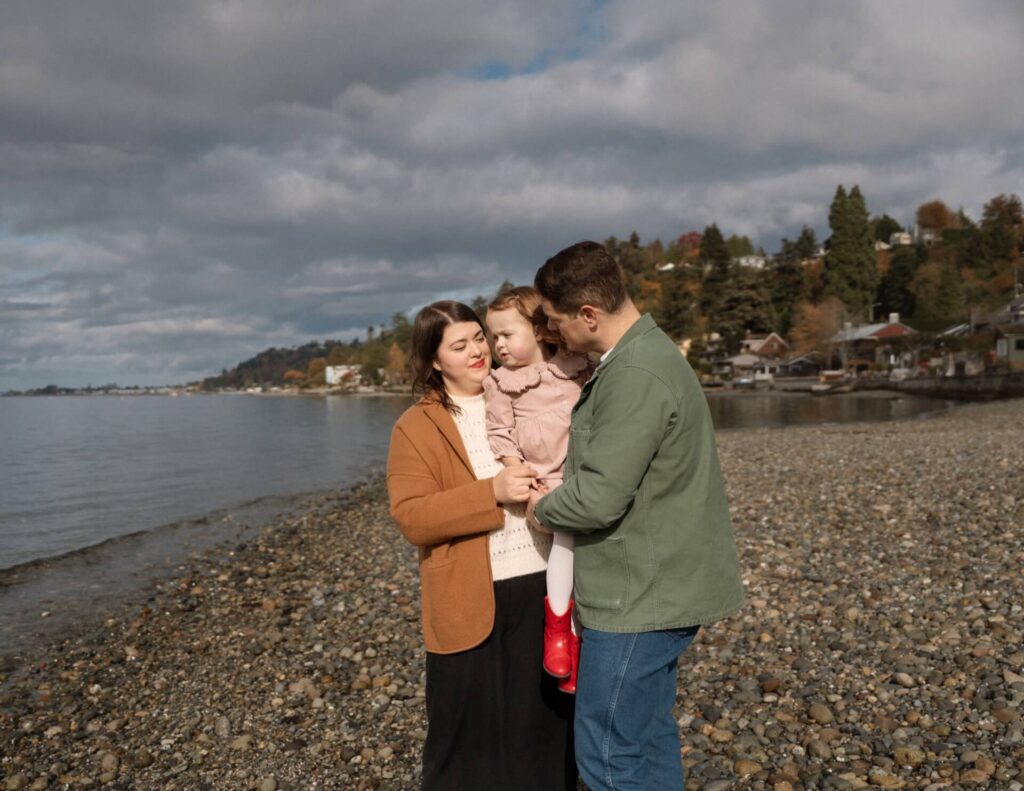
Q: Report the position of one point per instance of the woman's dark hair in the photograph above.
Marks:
(427, 332)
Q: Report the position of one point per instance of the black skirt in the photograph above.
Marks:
(495, 719)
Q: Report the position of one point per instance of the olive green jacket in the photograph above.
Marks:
(644, 495)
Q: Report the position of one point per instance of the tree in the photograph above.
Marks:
(790, 283)
(815, 325)
(315, 373)
(744, 307)
(938, 290)
(934, 216)
(739, 246)
(398, 366)
(895, 292)
(714, 261)
(1002, 222)
(677, 316)
(851, 268)
(884, 227)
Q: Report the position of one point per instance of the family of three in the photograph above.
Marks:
(572, 528)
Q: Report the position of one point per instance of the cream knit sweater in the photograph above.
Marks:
(515, 549)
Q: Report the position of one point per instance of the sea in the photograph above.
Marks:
(102, 495)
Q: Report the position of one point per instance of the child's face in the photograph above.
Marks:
(514, 340)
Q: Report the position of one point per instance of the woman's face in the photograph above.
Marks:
(463, 358)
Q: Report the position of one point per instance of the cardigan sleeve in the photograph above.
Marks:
(501, 423)
(427, 514)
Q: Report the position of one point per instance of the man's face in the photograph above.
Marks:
(573, 328)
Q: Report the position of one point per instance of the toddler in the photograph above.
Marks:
(529, 406)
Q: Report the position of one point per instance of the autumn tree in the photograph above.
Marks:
(815, 325)
(315, 372)
(934, 216)
(398, 365)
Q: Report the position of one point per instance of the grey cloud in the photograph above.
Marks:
(184, 184)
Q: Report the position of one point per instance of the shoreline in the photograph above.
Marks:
(881, 642)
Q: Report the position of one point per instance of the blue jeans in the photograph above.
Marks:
(626, 736)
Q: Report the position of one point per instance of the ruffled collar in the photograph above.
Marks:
(519, 380)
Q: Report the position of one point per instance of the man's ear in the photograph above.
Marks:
(589, 314)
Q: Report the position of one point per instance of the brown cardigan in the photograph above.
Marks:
(444, 510)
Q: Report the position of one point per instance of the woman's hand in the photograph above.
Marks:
(513, 484)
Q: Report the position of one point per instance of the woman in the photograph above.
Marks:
(495, 719)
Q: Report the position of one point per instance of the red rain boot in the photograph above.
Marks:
(557, 631)
(569, 685)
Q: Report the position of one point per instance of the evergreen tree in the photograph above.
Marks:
(678, 305)
(895, 292)
(788, 282)
(744, 307)
(851, 269)
(884, 227)
(715, 263)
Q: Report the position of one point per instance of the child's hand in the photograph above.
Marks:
(513, 484)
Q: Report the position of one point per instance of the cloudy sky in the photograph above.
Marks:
(183, 184)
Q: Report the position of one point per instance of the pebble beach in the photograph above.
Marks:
(882, 644)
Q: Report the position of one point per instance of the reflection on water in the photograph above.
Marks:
(732, 410)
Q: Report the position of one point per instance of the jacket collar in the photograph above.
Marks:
(639, 327)
(439, 416)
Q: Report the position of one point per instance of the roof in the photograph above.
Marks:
(871, 332)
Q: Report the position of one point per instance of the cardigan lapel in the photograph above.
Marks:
(439, 417)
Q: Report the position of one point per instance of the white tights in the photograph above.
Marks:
(560, 573)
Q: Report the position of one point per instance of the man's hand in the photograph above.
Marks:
(531, 516)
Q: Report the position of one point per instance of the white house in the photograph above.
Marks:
(341, 374)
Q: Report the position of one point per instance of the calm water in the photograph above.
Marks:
(102, 497)
(78, 471)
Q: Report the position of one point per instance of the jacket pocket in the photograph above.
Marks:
(602, 572)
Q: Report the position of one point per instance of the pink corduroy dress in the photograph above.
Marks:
(529, 410)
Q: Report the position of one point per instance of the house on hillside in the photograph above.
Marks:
(771, 346)
(882, 345)
(339, 375)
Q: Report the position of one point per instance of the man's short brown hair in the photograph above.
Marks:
(584, 274)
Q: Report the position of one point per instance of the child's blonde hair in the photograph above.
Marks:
(526, 300)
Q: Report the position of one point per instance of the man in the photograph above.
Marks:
(643, 495)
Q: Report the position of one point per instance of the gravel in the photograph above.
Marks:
(882, 645)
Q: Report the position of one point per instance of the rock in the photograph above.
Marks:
(142, 758)
(819, 749)
(242, 743)
(222, 727)
(16, 782)
(109, 762)
(820, 713)
(744, 767)
(909, 756)
(268, 784)
(905, 680)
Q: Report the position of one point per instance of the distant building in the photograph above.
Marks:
(901, 239)
(335, 375)
(751, 261)
(874, 344)
(771, 346)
